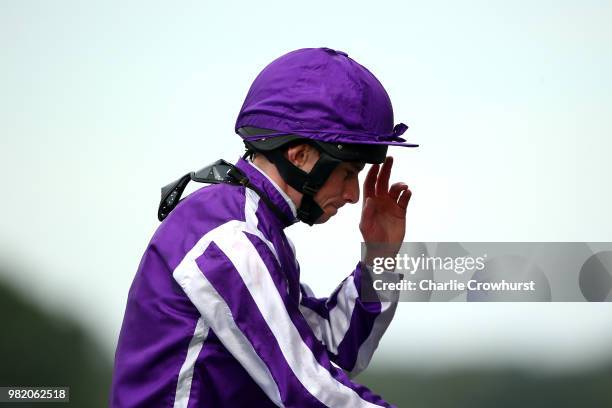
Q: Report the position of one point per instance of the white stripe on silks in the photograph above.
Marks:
(183, 385)
(250, 208)
(315, 378)
(340, 315)
(297, 265)
(250, 215)
(388, 305)
(367, 349)
(317, 323)
(215, 311)
(332, 332)
(314, 320)
(308, 290)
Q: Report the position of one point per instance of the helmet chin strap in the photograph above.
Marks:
(306, 183)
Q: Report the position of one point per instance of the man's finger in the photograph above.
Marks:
(382, 183)
(404, 198)
(367, 215)
(396, 189)
(369, 183)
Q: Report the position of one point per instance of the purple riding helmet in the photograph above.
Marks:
(325, 98)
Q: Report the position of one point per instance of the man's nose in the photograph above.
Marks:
(351, 192)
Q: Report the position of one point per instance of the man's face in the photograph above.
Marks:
(341, 187)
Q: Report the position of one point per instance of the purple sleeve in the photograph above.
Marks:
(350, 327)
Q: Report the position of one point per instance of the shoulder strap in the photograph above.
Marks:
(218, 172)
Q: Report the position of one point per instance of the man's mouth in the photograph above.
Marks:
(336, 207)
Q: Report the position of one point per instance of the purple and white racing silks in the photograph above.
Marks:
(217, 317)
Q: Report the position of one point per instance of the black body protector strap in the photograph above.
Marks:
(306, 183)
(218, 172)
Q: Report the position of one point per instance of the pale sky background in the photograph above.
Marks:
(103, 102)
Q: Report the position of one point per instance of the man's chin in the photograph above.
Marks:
(326, 216)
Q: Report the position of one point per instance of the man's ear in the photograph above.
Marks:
(303, 156)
